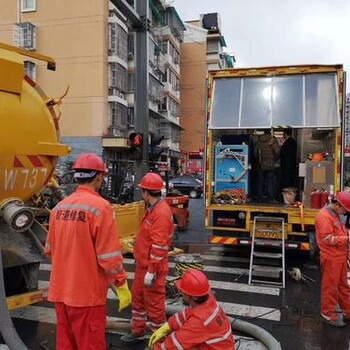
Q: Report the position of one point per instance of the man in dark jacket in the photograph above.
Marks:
(266, 151)
(288, 156)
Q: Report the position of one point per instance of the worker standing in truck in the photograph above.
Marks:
(151, 257)
(266, 151)
(202, 325)
(288, 158)
(85, 252)
(333, 241)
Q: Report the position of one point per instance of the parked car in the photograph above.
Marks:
(187, 184)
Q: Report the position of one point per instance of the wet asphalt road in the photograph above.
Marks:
(297, 326)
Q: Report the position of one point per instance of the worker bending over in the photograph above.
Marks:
(202, 325)
(151, 257)
(86, 258)
(333, 241)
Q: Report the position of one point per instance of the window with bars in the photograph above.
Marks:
(175, 135)
(173, 80)
(118, 76)
(30, 69)
(131, 81)
(28, 5)
(154, 89)
(131, 45)
(117, 118)
(131, 118)
(173, 107)
(24, 35)
(175, 56)
(118, 41)
(163, 105)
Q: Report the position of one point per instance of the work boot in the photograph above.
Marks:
(334, 323)
(132, 337)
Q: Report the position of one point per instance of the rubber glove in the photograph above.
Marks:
(149, 279)
(124, 296)
(159, 334)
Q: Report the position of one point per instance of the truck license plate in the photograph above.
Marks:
(268, 234)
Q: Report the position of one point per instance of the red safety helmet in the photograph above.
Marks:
(194, 283)
(343, 198)
(89, 161)
(151, 181)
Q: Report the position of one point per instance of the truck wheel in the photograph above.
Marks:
(193, 194)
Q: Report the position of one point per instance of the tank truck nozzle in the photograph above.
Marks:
(18, 217)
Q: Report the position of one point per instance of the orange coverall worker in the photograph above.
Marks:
(204, 327)
(151, 255)
(86, 257)
(333, 239)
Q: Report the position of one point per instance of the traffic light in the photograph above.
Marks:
(155, 150)
(135, 141)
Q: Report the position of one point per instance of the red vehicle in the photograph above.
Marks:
(179, 209)
(195, 163)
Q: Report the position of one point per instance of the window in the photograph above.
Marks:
(118, 76)
(174, 107)
(117, 118)
(118, 41)
(28, 5)
(30, 69)
(301, 100)
(24, 35)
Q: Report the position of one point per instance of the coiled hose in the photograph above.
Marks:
(7, 329)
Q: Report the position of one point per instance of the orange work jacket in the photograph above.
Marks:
(204, 327)
(331, 235)
(85, 250)
(154, 238)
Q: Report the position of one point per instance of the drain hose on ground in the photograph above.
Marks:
(242, 326)
(7, 329)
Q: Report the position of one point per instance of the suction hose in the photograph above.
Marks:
(7, 329)
(242, 326)
(257, 332)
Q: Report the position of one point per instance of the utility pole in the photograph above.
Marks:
(141, 90)
(140, 20)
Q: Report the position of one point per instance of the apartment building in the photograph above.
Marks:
(94, 50)
(202, 50)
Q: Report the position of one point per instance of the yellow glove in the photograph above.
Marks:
(124, 296)
(159, 334)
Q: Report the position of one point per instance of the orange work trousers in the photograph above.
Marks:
(148, 303)
(334, 288)
(80, 328)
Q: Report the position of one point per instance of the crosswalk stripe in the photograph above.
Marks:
(47, 315)
(231, 309)
(233, 286)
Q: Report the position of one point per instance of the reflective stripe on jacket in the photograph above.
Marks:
(85, 250)
(154, 238)
(204, 327)
(332, 235)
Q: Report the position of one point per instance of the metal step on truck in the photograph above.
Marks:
(245, 106)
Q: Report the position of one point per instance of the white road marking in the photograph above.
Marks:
(231, 309)
(47, 315)
(232, 286)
